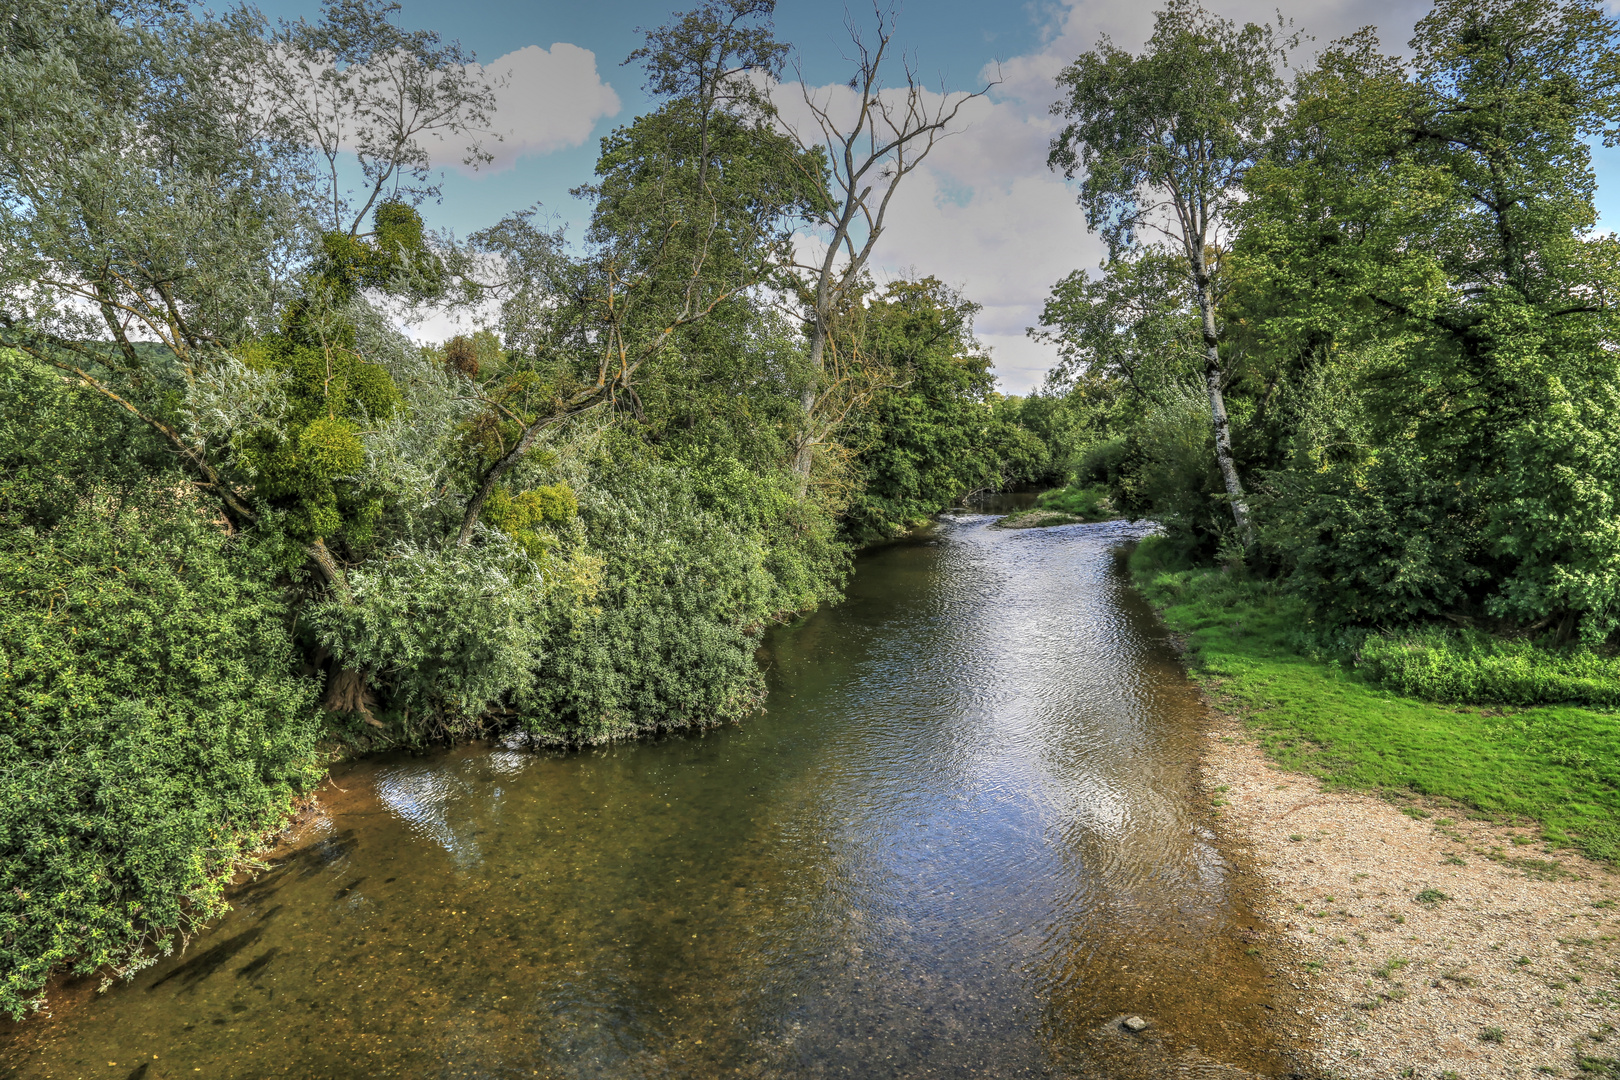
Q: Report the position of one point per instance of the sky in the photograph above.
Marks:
(985, 214)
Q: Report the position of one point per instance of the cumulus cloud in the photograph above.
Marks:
(549, 99)
(986, 215)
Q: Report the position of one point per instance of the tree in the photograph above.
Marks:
(923, 441)
(889, 135)
(1164, 140)
(158, 214)
(694, 204)
(1426, 227)
(1133, 322)
(355, 83)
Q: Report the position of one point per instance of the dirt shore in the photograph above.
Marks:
(1425, 942)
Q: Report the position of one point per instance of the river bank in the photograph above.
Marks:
(963, 839)
(1512, 973)
(1432, 927)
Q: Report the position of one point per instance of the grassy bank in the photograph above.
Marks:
(1319, 707)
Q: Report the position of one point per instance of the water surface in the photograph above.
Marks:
(962, 841)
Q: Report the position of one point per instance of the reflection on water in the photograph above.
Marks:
(959, 843)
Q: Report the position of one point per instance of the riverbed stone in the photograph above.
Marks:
(1133, 1023)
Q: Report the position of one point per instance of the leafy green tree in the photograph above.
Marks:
(1164, 140)
(158, 214)
(694, 209)
(1430, 227)
(923, 442)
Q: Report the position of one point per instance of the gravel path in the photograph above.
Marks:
(1507, 966)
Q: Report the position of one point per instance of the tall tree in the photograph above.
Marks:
(355, 83)
(871, 144)
(694, 205)
(159, 211)
(920, 443)
(1164, 139)
(1434, 216)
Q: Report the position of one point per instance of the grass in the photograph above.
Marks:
(1064, 506)
(1457, 665)
(1315, 712)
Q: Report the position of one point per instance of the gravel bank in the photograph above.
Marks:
(1507, 967)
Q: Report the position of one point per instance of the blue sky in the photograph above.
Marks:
(952, 40)
(986, 216)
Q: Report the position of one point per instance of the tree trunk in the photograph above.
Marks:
(1217, 412)
(486, 486)
(804, 458)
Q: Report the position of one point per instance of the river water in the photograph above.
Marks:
(963, 840)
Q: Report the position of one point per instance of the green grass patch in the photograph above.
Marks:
(1090, 503)
(1443, 664)
(1316, 712)
(1063, 506)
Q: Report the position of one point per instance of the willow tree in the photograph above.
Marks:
(1164, 139)
(162, 213)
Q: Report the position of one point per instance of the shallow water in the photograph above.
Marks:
(962, 841)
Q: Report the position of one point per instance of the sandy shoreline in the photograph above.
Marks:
(1513, 973)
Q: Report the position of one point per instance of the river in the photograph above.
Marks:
(963, 840)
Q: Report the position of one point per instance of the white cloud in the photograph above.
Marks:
(985, 214)
(551, 99)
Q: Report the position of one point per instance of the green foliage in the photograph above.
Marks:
(152, 721)
(1413, 313)
(395, 256)
(153, 726)
(695, 561)
(524, 515)
(305, 464)
(1468, 666)
(923, 441)
(1428, 230)
(1315, 713)
(444, 634)
(1024, 440)
(1087, 503)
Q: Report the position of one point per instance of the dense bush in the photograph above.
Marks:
(693, 562)
(154, 726)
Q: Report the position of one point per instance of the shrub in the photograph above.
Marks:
(152, 724)
(1443, 664)
(695, 561)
